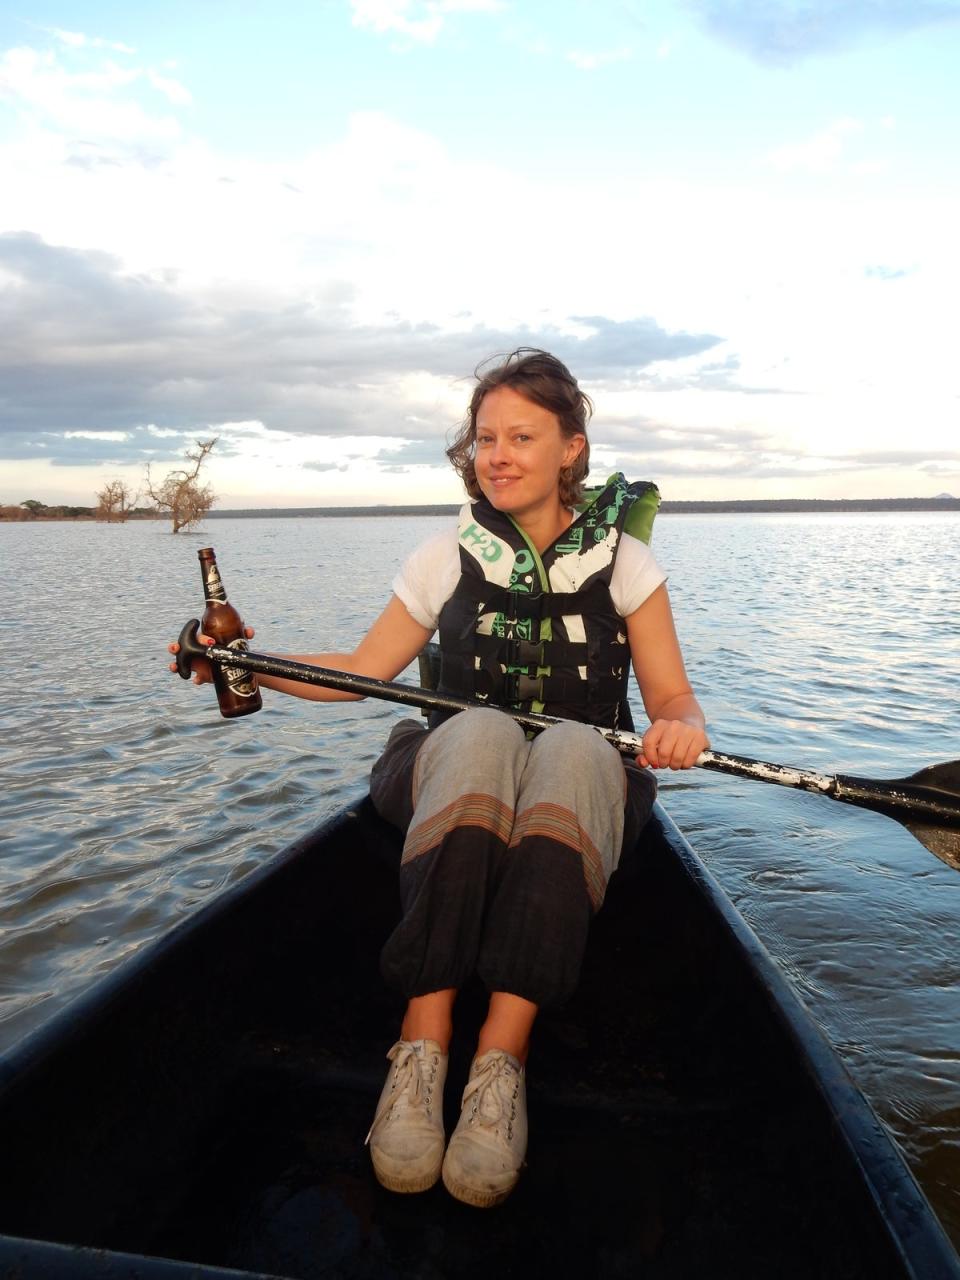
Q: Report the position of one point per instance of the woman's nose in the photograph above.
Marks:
(500, 452)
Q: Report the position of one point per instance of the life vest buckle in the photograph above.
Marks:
(519, 687)
(523, 604)
(519, 652)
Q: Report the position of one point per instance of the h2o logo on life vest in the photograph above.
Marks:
(482, 542)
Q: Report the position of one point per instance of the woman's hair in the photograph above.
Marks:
(542, 379)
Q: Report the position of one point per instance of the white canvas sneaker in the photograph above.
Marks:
(486, 1151)
(406, 1137)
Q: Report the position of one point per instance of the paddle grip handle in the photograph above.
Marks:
(190, 648)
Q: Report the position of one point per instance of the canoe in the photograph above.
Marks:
(205, 1105)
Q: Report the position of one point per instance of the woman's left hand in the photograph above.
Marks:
(672, 744)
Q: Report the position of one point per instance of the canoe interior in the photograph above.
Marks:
(209, 1103)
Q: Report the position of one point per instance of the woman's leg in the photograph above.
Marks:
(430, 1017)
(456, 789)
(464, 786)
(564, 847)
(508, 1025)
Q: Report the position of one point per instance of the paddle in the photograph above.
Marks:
(927, 803)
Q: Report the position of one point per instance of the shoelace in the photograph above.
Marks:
(408, 1083)
(496, 1079)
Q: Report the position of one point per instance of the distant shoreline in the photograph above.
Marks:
(749, 506)
(745, 507)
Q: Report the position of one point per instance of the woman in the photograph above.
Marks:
(510, 842)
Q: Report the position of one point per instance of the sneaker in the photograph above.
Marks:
(486, 1152)
(406, 1137)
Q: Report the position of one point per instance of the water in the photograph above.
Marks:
(830, 642)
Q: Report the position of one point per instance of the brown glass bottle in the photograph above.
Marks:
(237, 690)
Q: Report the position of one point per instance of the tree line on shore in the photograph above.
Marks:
(179, 496)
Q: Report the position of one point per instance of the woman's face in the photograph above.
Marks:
(519, 453)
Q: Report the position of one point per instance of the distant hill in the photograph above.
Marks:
(943, 502)
(759, 506)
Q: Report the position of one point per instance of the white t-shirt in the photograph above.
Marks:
(430, 575)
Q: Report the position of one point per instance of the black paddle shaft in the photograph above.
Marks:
(927, 803)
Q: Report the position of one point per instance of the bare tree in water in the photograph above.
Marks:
(180, 492)
(115, 501)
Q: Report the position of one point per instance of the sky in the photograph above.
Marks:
(300, 226)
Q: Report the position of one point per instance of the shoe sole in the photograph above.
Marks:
(466, 1194)
(406, 1185)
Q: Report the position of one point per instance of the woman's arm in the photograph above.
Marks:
(677, 726)
(389, 646)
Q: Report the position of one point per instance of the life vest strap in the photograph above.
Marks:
(521, 688)
(514, 651)
(516, 605)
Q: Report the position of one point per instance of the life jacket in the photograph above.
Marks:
(540, 631)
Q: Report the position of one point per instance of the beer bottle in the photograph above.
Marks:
(237, 689)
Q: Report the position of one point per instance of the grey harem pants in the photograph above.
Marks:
(509, 847)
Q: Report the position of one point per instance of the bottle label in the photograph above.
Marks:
(242, 683)
(212, 586)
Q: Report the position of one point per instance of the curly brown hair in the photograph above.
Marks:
(544, 380)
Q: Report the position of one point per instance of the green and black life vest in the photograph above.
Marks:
(540, 631)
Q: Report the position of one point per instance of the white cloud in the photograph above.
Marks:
(420, 20)
(178, 94)
(97, 435)
(820, 153)
(594, 61)
(77, 40)
(90, 103)
(467, 6)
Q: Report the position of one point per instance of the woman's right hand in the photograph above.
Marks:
(202, 671)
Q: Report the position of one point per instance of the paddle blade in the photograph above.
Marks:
(941, 778)
(943, 842)
(927, 803)
(940, 781)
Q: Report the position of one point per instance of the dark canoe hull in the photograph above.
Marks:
(208, 1102)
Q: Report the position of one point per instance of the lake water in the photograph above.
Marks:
(826, 641)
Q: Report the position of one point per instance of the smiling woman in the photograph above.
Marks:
(536, 391)
(541, 600)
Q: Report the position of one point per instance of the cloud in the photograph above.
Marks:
(102, 99)
(77, 40)
(649, 448)
(900, 457)
(413, 453)
(822, 152)
(178, 93)
(595, 61)
(658, 437)
(784, 32)
(709, 375)
(135, 446)
(86, 346)
(419, 20)
(880, 272)
(619, 347)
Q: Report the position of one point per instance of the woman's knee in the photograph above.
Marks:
(479, 746)
(574, 744)
(474, 733)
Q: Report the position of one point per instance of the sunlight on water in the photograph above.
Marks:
(829, 642)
